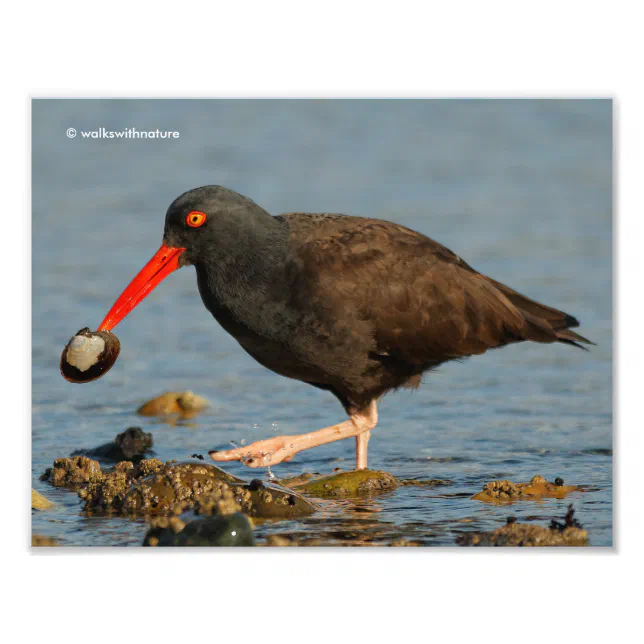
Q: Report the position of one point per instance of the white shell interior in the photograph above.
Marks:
(83, 351)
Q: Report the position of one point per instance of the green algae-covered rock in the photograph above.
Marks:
(39, 502)
(347, 484)
(221, 530)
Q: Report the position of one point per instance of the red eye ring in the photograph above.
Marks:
(196, 219)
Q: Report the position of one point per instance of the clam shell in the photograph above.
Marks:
(89, 355)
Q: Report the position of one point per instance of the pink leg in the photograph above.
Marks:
(362, 440)
(282, 448)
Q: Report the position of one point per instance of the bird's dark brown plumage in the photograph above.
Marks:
(352, 305)
(385, 303)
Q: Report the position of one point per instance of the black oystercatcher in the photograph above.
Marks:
(354, 306)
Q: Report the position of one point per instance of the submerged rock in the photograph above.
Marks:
(345, 484)
(130, 445)
(183, 403)
(72, 472)
(38, 541)
(39, 502)
(280, 541)
(507, 492)
(425, 482)
(290, 541)
(222, 530)
(568, 533)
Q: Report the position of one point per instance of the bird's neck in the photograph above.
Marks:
(235, 283)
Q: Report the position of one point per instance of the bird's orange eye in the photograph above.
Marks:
(196, 219)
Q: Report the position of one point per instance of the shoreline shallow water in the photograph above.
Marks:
(522, 190)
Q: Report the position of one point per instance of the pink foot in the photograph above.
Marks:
(259, 454)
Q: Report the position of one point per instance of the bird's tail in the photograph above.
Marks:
(545, 323)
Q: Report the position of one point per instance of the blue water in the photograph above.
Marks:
(522, 190)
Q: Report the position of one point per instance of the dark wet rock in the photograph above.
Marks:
(131, 445)
(273, 502)
(599, 451)
(220, 530)
(569, 521)
(38, 541)
(39, 502)
(566, 533)
(72, 472)
(345, 484)
(182, 403)
(507, 492)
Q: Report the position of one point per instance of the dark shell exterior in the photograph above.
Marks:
(81, 346)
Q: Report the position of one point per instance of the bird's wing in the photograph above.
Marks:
(423, 302)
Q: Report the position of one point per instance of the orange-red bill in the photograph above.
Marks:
(164, 262)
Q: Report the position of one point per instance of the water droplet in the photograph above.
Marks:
(255, 426)
(242, 441)
(275, 425)
(245, 458)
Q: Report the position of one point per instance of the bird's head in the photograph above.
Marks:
(200, 226)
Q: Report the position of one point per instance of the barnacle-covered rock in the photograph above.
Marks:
(72, 472)
(268, 501)
(507, 492)
(158, 489)
(153, 487)
(89, 355)
(566, 533)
